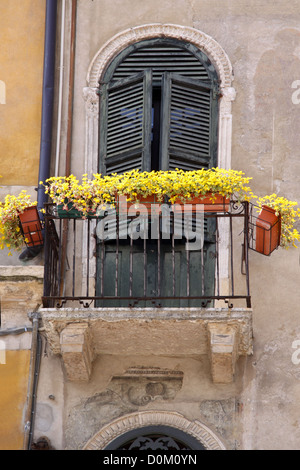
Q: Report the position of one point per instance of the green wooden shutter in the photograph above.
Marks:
(125, 124)
(189, 124)
(193, 276)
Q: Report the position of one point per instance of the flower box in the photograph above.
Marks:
(141, 203)
(268, 231)
(31, 226)
(71, 212)
(210, 202)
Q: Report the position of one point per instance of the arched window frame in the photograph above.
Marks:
(127, 90)
(124, 39)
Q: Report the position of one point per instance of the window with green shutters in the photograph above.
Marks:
(159, 111)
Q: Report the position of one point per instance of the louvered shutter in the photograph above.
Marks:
(189, 129)
(125, 124)
(161, 56)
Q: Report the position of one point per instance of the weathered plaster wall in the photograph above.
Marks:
(13, 394)
(121, 385)
(20, 293)
(22, 26)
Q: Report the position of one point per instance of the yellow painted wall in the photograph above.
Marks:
(13, 396)
(22, 25)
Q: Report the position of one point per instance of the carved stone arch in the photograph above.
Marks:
(130, 36)
(124, 424)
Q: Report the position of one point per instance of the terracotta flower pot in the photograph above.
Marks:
(142, 203)
(268, 231)
(216, 203)
(31, 226)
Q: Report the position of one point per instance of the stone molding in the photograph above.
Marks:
(151, 418)
(139, 33)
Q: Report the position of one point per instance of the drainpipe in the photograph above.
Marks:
(48, 98)
(60, 90)
(47, 112)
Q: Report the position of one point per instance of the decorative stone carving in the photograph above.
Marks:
(92, 101)
(204, 42)
(141, 386)
(148, 418)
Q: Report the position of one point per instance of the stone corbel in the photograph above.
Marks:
(77, 351)
(223, 351)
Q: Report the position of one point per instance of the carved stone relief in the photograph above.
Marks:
(127, 393)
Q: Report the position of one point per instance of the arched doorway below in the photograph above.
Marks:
(155, 438)
(150, 430)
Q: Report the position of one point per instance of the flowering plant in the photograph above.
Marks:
(11, 235)
(289, 214)
(85, 196)
(185, 185)
(88, 195)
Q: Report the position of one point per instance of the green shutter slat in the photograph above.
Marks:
(121, 167)
(188, 165)
(161, 58)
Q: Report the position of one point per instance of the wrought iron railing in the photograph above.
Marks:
(139, 261)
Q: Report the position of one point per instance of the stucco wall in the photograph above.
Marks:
(13, 395)
(20, 294)
(22, 26)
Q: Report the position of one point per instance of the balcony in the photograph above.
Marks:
(104, 282)
(142, 270)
